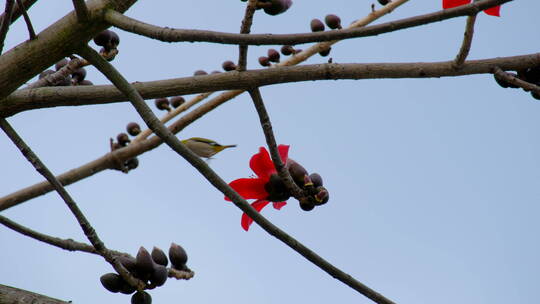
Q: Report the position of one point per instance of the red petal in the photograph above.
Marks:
(249, 188)
(261, 164)
(453, 3)
(246, 220)
(278, 205)
(283, 153)
(494, 11)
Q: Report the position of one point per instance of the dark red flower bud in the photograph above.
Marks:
(228, 66)
(159, 256)
(322, 196)
(317, 25)
(277, 7)
(264, 61)
(133, 128)
(132, 163)
(287, 50)
(123, 139)
(297, 172)
(273, 55)
(79, 75)
(162, 104)
(535, 95)
(384, 2)
(144, 264)
(277, 191)
(126, 288)
(111, 281)
(107, 39)
(141, 297)
(177, 101)
(159, 276)
(333, 21)
(177, 256)
(316, 179)
(306, 205)
(325, 52)
(128, 262)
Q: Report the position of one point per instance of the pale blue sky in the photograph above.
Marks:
(434, 183)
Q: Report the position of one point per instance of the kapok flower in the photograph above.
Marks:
(266, 187)
(493, 11)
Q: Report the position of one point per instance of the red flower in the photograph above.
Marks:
(256, 188)
(493, 11)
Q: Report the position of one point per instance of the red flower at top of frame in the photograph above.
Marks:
(257, 188)
(493, 11)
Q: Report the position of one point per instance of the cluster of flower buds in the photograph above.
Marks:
(312, 184)
(273, 7)
(151, 268)
(122, 140)
(165, 103)
(109, 42)
(77, 77)
(272, 55)
(531, 75)
(332, 21)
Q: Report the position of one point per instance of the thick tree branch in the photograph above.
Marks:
(87, 228)
(58, 41)
(12, 295)
(27, 20)
(178, 35)
(466, 44)
(174, 143)
(24, 100)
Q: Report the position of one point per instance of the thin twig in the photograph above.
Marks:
(87, 228)
(527, 86)
(245, 29)
(6, 21)
(466, 44)
(181, 35)
(272, 146)
(81, 10)
(168, 137)
(27, 20)
(67, 244)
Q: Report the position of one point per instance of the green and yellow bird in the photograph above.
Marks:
(204, 147)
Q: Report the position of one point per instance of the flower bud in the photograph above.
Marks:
(159, 256)
(123, 139)
(159, 276)
(162, 104)
(144, 264)
(133, 128)
(141, 297)
(277, 191)
(177, 101)
(322, 196)
(333, 21)
(177, 256)
(111, 281)
(316, 25)
(316, 179)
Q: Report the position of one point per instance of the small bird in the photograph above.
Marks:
(204, 147)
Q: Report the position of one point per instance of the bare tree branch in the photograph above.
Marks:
(4, 26)
(87, 228)
(27, 20)
(272, 146)
(24, 100)
(178, 35)
(245, 29)
(14, 295)
(466, 44)
(168, 137)
(516, 81)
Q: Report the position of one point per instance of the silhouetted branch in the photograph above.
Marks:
(516, 81)
(178, 35)
(14, 295)
(18, 11)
